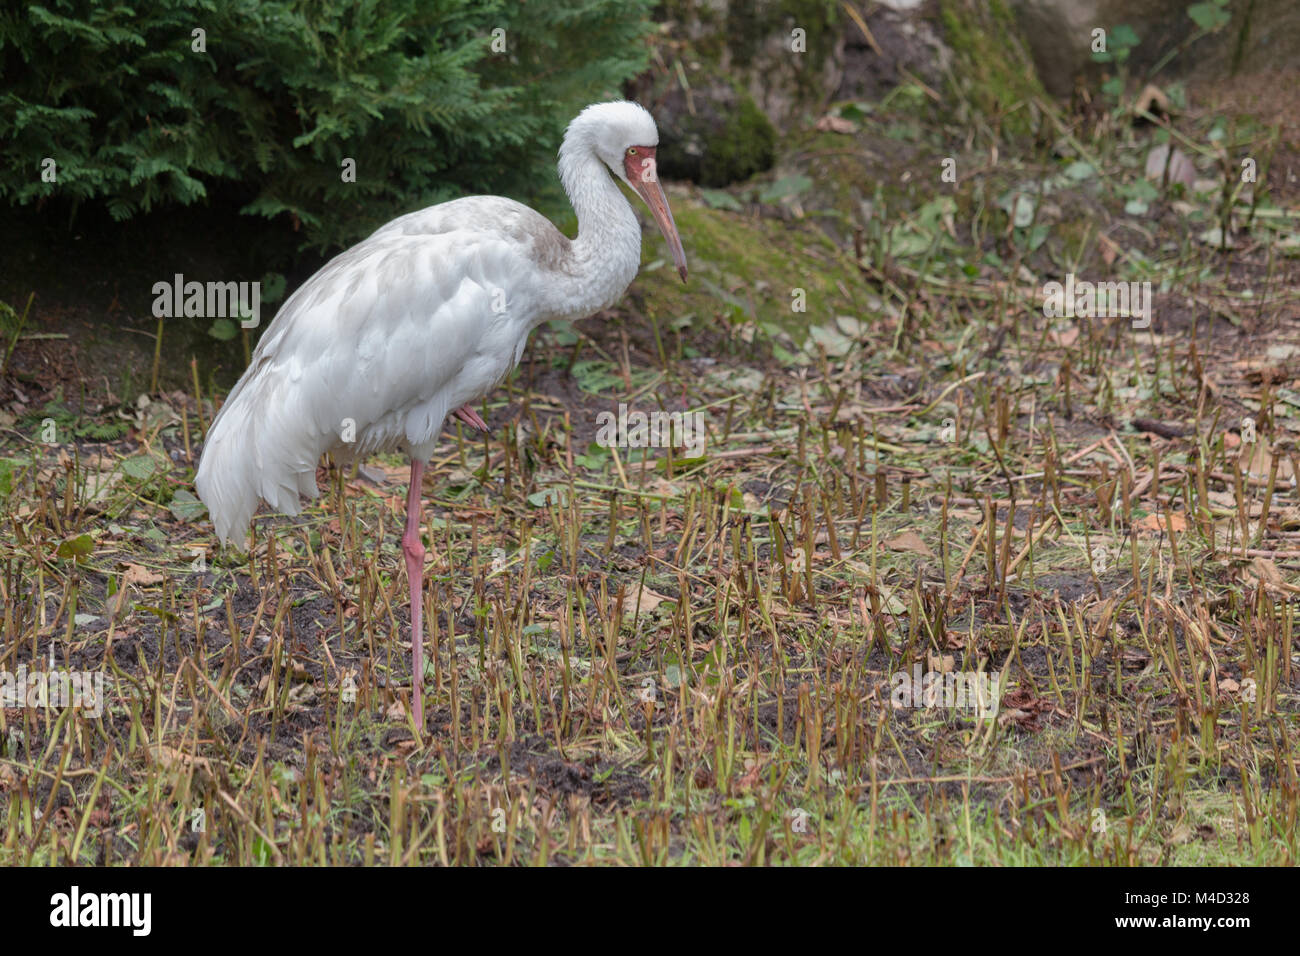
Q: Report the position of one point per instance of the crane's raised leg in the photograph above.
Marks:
(414, 552)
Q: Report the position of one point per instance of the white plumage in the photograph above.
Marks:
(422, 318)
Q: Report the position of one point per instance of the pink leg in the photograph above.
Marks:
(413, 549)
(470, 417)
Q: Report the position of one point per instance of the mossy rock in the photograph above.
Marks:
(726, 139)
(993, 68)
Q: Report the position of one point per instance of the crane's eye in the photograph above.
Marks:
(631, 151)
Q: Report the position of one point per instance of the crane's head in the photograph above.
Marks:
(624, 137)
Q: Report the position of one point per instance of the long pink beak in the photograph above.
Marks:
(653, 194)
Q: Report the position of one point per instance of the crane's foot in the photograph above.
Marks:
(471, 417)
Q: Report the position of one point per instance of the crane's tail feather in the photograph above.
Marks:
(256, 449)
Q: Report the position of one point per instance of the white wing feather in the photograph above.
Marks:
(427, 314)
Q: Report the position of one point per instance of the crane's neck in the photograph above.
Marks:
(604, 259)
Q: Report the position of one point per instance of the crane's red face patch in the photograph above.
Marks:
(639, 165)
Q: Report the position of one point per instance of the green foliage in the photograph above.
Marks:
(1119, 45)
(7, 468)
(102, 431)
(76, 548)
(66, 423)
(137, 110)
(223, 330)
(1210, 16)
(185, 507)
(785, 187)
(717, 199)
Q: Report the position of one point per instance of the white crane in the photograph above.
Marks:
(421, 319)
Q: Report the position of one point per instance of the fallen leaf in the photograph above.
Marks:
(1170, 521)
(1181, 169)
(1267, 571)
(119, 605)
(1110, 249)
(396, 711)
(909, 541)
(1153, 100)
(1264, 573)
(944, 664)
(138, 574)
(1215, 237)
(836, 124)
(171, 757)
(1023, 708)
(185, 507)
(750, 779)
(1066, 337)
(76, 548)
(1134, 660)
(644, 598)
(1259, 462)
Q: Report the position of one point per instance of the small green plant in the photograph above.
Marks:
(12, 325)
(66, 422)
(1117, 47)
(1210, 16)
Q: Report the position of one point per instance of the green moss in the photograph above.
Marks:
(755, 264)
(750, 22)
(744, 146)
(708, 39)
(727, 140)
(993, 68)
